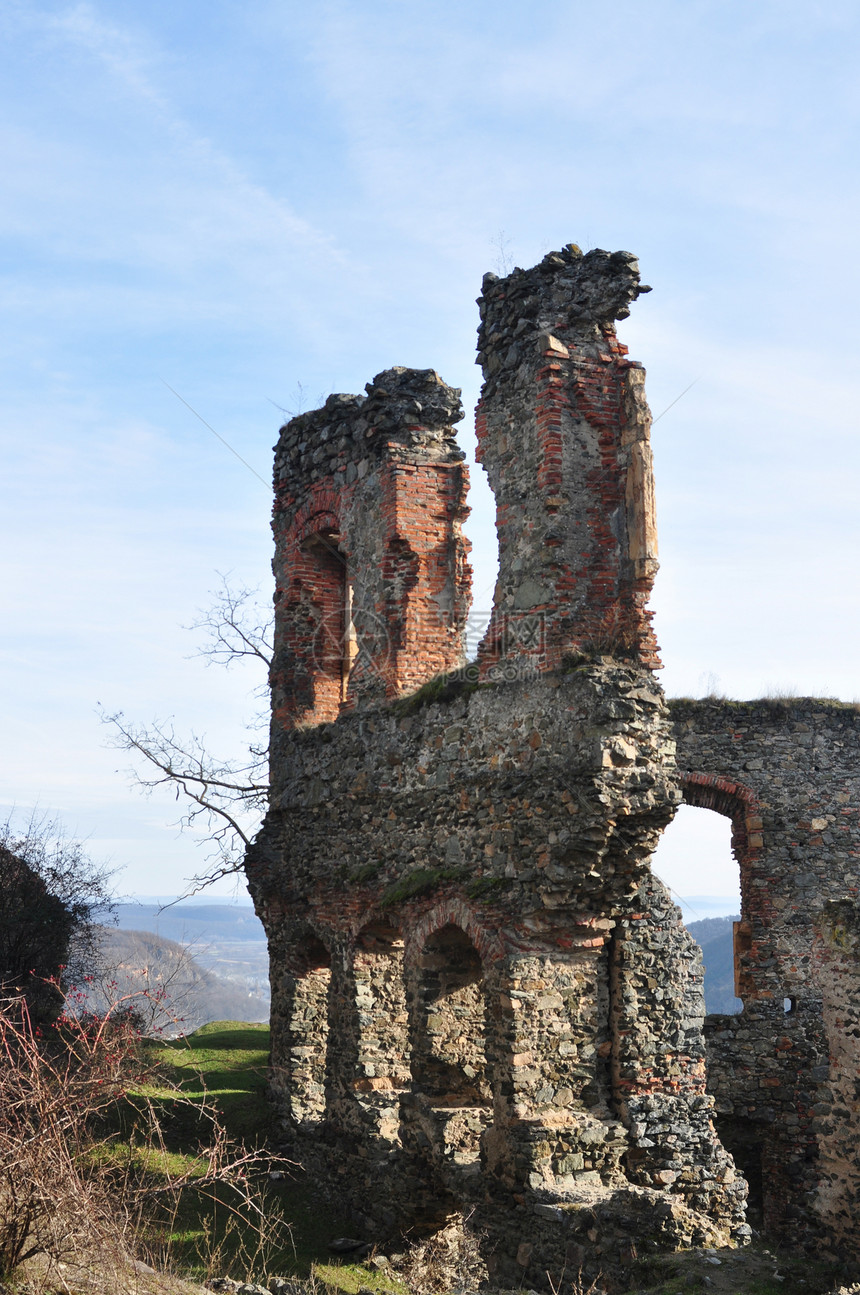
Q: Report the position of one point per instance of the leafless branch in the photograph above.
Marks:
(224, 800)
(237, 626)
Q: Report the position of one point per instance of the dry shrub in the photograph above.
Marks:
(75, 1193)
(449, 1261)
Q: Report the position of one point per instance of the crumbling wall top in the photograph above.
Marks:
(412, 408)
(563, 434)
(370, 559)
(567, 292)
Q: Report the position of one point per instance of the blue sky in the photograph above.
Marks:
(265, 202)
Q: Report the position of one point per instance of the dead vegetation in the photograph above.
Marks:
(89, 1187)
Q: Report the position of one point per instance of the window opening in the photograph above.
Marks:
(350, 641)
(694, 860)
(335, 644)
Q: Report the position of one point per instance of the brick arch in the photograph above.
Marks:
(314, 524)
(453, 912)
(321, 511)
(358, 923)
(300, 942)
(733, 800)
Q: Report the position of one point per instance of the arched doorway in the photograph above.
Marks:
(694, 861)
(706, 858)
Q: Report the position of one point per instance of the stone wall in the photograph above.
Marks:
(563, 433)
(371, 579)
(786, 1072)
(481, 998)
(508, 1011)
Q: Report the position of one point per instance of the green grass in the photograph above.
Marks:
(442, 688)
(225, 1064)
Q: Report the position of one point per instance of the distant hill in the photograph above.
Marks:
(193, 922)
(226, 940)
(715, 935)
(168, 987)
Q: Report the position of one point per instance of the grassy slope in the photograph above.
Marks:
(226, 1063)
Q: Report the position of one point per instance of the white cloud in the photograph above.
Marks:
(236, 198)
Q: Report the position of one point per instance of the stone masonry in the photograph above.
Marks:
(482, 999)
(563, 433)
(786, 1071)
(372, 584)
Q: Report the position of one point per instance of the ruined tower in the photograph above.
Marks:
(371, 579)
(482, 998)
(563, 433)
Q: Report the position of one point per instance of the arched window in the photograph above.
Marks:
(333, 647)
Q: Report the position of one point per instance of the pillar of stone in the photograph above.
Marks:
(556, 1131)
(563, 433)
(658, 1058)
(300, 998)
(382, 1061)
(372, 582)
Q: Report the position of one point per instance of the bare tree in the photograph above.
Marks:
(86, 1185)
(225, 798)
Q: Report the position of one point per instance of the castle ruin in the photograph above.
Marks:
(482, 998)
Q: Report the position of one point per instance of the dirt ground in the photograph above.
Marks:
(753, 1270)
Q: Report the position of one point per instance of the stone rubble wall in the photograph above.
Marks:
(563, 432)
(514, 1015)
(372, 584)
(786, 1072)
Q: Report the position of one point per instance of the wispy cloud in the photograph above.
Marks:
(235, 198)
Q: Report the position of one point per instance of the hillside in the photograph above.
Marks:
(715, 936)
(225, 939)
(172, 989)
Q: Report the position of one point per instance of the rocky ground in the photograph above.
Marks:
(438, 1269)
(754, 1270)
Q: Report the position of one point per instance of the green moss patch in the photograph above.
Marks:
(418, 883)
(442, 688)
